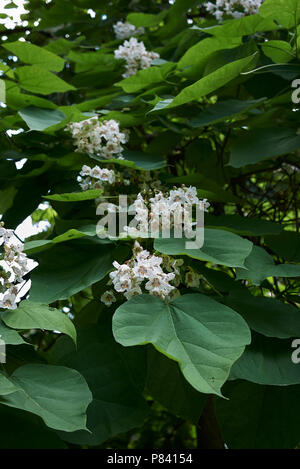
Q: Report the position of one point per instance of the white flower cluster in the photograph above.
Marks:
(234, 8)
(143, 270)
(95, 178)
(126, 30)
(150, 273)
(136, 56)
(99, 138)
(167, 211)
(13, 267)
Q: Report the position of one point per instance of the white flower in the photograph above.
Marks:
(108, 298)
(99, 138)
(234, 8)
(158, 285)
(167, 211)
(126, 30)
(191, 195)
(204, 205)
(136, 56)
(123, 284)
(5, 235)
(107, 176)
(85, 171)
(95, 178)
(143, 270)
(96, 172)
(9, 301)
(177, 195)
(13, 267)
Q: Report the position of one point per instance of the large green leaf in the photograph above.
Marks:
(279, 51)
(268, 316)
(31, 315)
(203, 336)
(208, 84)
(261, 265)
(75, 196)
(35, 55)
(6, 385)
(67, 269)
(35, 79)
(196, 56)
(61, 46)
(223, 110)
(167, 385)
(259, 417)
(146, 19)
(18, 100)
(41, 119)
(116, 377)
(145, 78)
(220, 247)
(267, 361)
(127, 118)
(33, 247)
(90, 60)
(260, 144)
(57, 394)
(9, 336)
(285, 12)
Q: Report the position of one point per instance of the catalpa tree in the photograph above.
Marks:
(154, 145)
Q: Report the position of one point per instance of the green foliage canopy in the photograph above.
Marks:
(215, 111)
